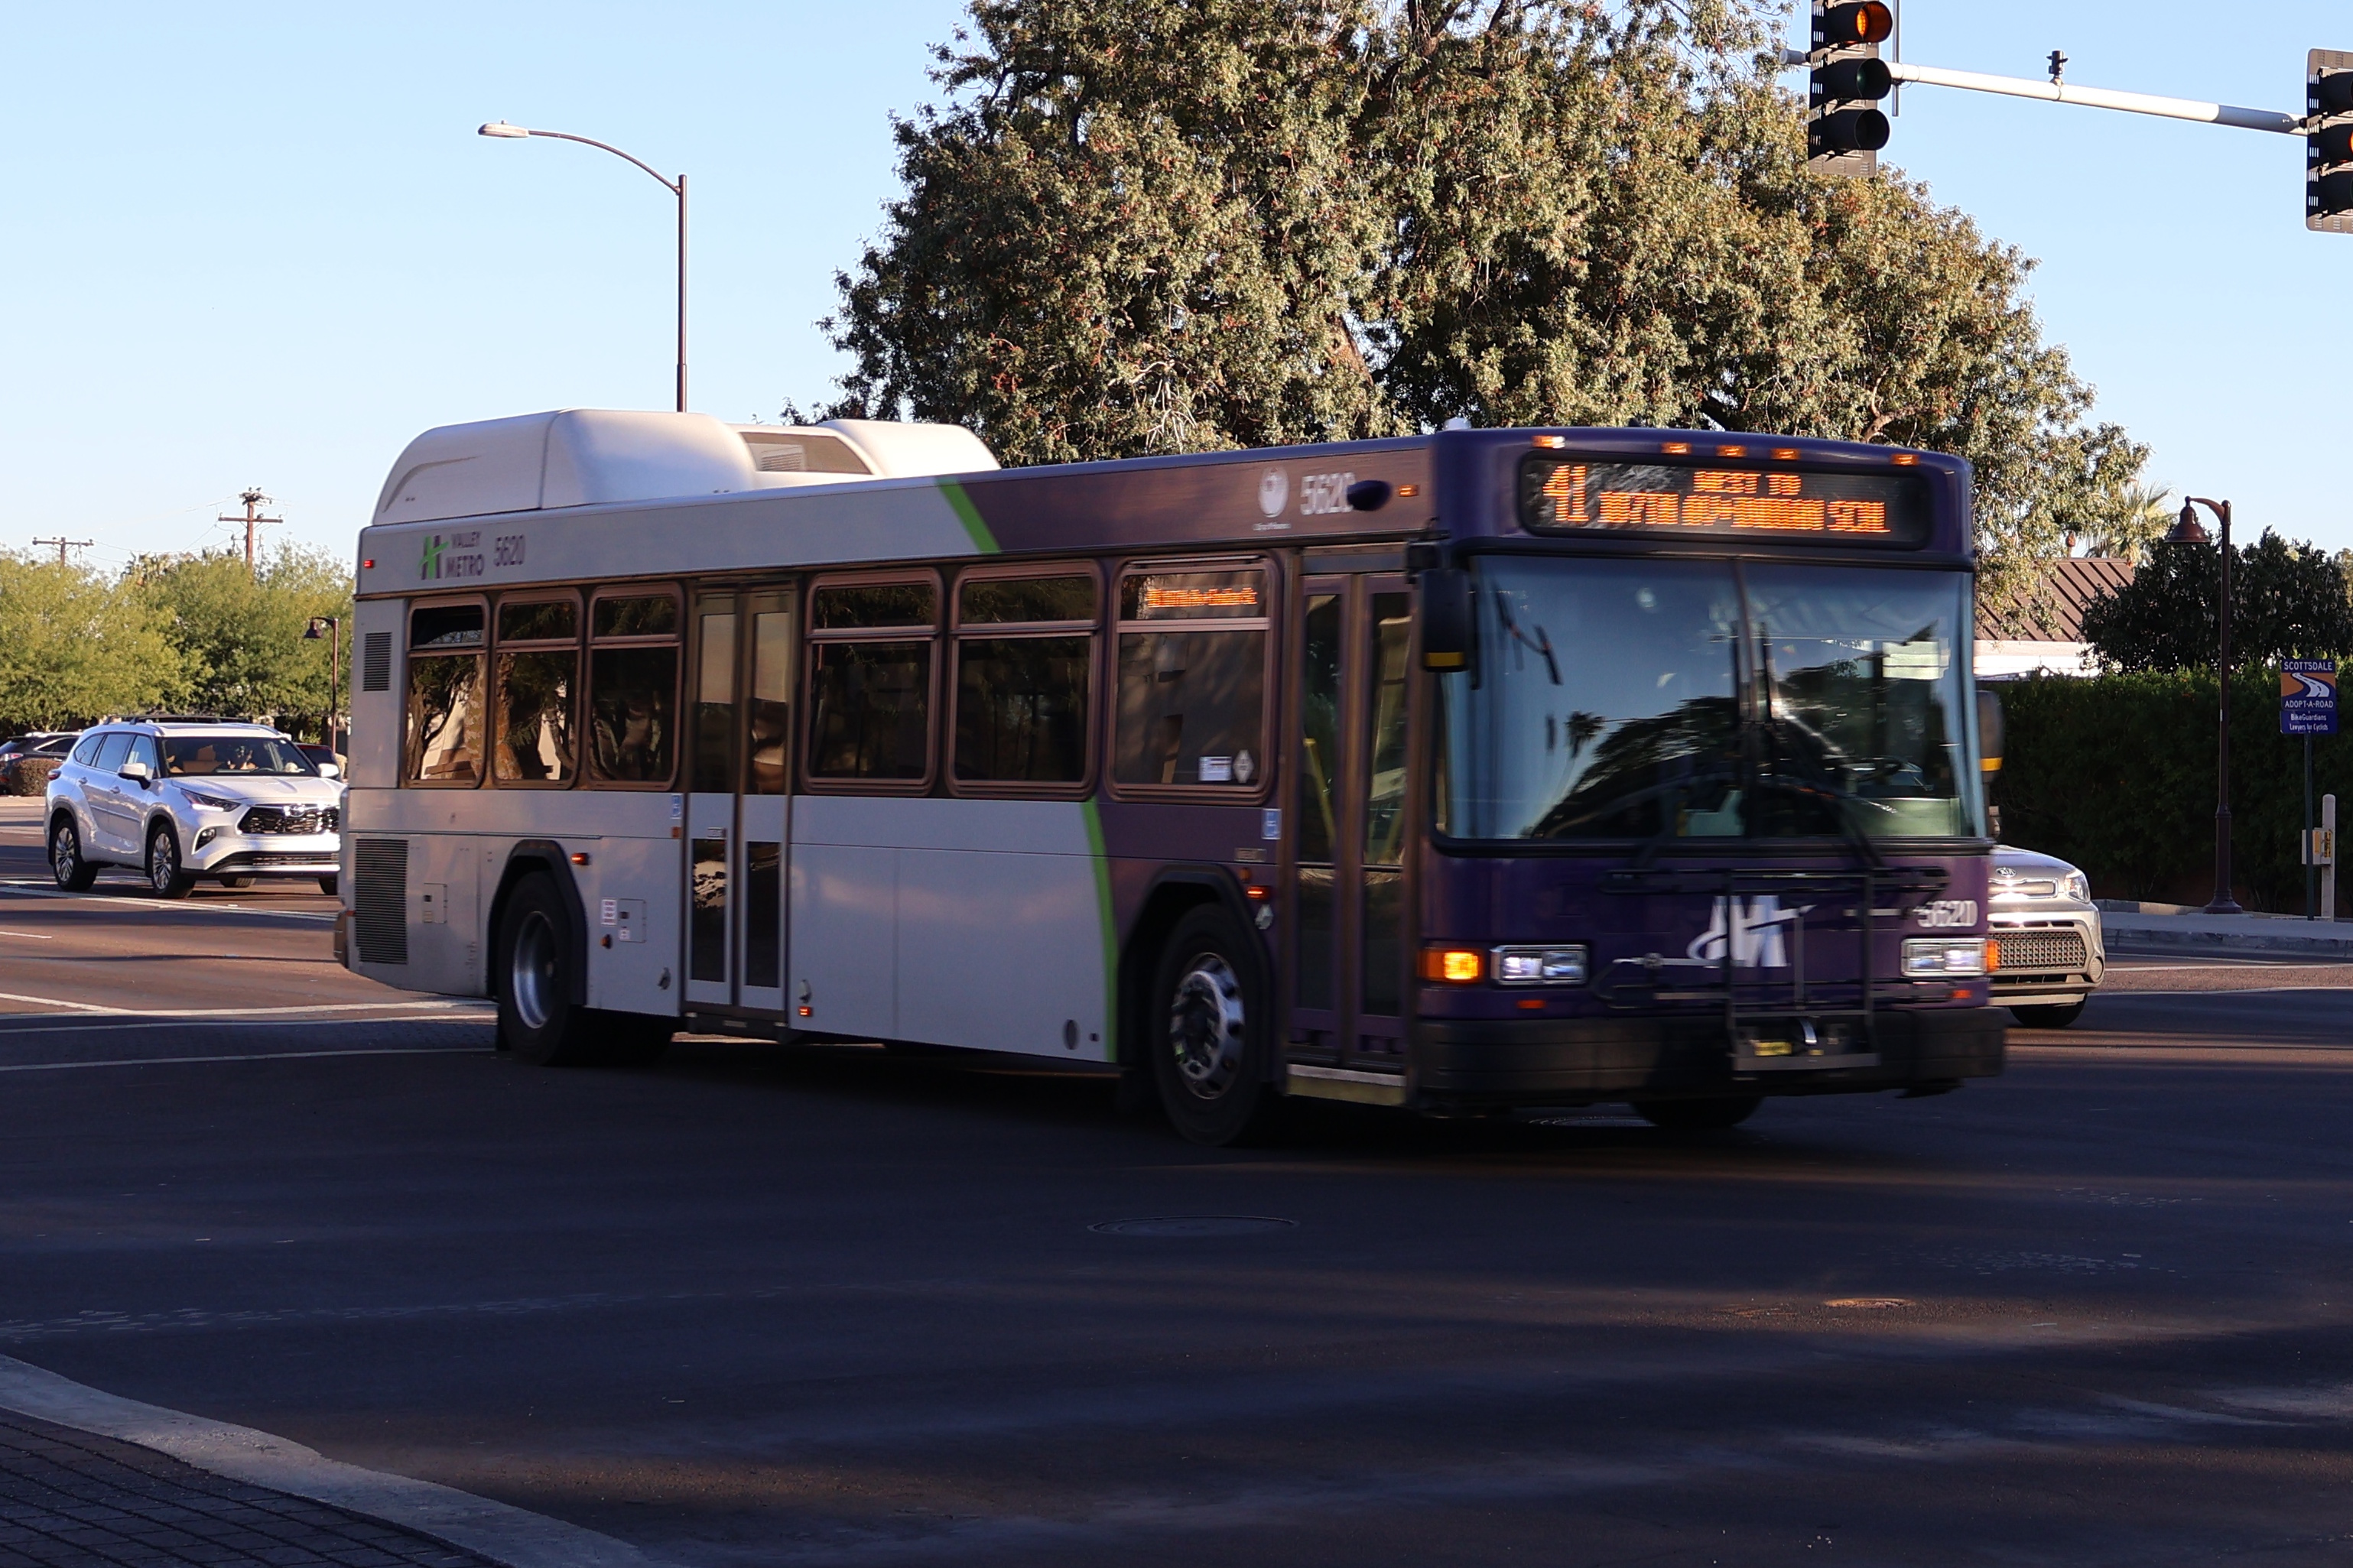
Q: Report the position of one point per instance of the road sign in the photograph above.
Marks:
(2308, 697)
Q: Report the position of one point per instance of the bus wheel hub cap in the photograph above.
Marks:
(1206, 1026)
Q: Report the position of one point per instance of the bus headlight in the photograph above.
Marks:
(1540, 965)
(1944, 957)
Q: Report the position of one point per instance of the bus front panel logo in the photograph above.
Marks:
(1273, 491)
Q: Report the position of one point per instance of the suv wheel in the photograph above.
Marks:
(73, 873)
(167, 878)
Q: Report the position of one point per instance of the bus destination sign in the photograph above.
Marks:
(1561, 493)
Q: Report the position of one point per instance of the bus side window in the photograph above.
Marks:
(536, 686)
(870, 681)
(1192, 678)
(633, 688)
(1024, 658)
(445, 722)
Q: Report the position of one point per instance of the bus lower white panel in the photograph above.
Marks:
(843, 938)
(960, 922)
(1000, 952)
(444, 946)
(632, 892)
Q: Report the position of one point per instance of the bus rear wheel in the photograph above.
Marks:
(538, 1020)
(1208, 1031)
(1699, 1115)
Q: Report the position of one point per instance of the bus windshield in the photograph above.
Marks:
(1653, 700)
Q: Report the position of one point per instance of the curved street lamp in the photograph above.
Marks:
(504, 131)
(2189, 530)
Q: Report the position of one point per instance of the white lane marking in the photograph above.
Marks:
(505, 1534)
(29, 890)
(229, 1012)
(250, 1056)
(28, 936)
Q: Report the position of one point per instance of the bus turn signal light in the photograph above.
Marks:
(1453, 965)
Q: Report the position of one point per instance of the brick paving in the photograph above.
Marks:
(69, 1500)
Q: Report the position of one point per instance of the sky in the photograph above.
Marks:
(262, 246)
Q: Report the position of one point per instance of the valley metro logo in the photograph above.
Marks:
(429, 569)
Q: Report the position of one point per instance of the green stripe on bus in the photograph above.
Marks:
(1109, 931)
(969, 515)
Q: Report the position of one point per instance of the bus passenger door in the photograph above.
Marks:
(738, 806)
(1348, 982)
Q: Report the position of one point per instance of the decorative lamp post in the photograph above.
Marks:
(334, 635)
(503, 130)
(2190, 531)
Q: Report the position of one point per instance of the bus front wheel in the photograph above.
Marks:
(1208, 1031)
(538, 1020)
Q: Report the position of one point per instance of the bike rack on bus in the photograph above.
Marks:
(1803, 1046)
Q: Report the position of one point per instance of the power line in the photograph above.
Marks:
(65, 544)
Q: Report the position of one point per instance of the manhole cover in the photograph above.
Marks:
(1195, 1224)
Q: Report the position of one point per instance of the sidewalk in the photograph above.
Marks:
(73, 1498)
(2171, 928)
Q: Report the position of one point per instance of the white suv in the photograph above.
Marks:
(183, 799)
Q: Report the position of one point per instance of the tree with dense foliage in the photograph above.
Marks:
(241, 632)
(75, 647)
(2287, 601)
(1138, 227)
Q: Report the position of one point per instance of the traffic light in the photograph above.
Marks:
(2328, 140)
(1844, 129)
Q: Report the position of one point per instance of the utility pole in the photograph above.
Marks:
(253, 519)
(65, 544)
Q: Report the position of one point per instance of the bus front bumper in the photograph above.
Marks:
(1576, 1061)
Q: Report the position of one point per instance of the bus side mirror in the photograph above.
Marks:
(1446, 608)
(1988, 730)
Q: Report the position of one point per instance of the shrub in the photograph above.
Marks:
(30, 775)
(2116, 774)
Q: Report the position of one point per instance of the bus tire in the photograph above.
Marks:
(1699, 1115)
(2056, 1017)
(531, 973)
(1208, 1031)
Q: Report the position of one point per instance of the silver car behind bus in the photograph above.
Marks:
(2052, 955)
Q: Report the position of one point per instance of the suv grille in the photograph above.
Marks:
(289, 819)
(2040, 951)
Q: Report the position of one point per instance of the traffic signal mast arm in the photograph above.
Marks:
(2089, 97)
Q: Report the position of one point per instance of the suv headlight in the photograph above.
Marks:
(2076, 886)
(1944, 957)
(208, 801)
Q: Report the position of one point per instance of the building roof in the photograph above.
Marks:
(2049, 607)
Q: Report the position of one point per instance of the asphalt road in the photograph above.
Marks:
(825, 1306)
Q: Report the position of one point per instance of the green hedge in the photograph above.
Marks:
(2116, 773)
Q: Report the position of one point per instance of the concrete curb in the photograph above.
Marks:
(510, 1535)
(2224, 935)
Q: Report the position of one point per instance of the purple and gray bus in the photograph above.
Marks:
(1463, 771)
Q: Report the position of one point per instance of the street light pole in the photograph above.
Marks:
(502, 130)
(335, 625)
(2187, 531)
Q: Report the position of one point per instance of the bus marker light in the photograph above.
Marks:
(1676, 448)
(1903, 460)
(1406, 492)
(1731, 451)
(1551, 440)
(1785, 454)
(580, 859)
(1454, 965)
(367, 565)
